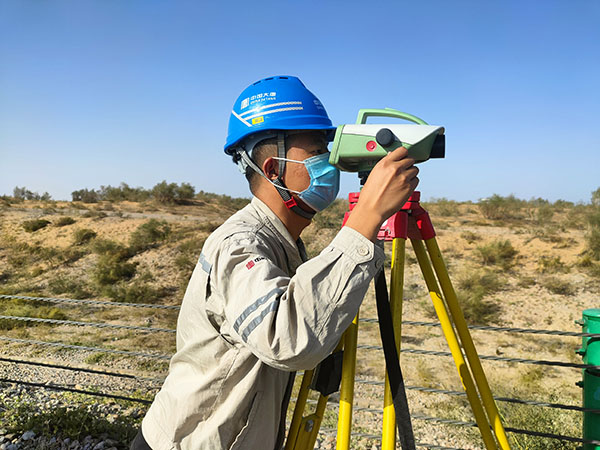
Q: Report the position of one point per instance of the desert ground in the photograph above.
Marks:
(514, 263)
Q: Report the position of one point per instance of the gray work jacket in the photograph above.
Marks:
(253, 313)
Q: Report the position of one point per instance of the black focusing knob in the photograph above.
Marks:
(385, 137)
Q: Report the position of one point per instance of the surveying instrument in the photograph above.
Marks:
(357, 148)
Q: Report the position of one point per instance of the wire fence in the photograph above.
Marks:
(154, 383)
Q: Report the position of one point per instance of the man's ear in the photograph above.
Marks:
(271, 168)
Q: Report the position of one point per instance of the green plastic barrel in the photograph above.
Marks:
(590, 350)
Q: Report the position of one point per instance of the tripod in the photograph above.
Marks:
(411, 222)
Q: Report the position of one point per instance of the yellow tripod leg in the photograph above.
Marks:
(304, 430)
(347, 387)
(467, 342)
(292, 437)
(317, 419)
(461, 365)
(388, 437)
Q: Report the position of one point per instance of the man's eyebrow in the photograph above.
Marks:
(321, 141)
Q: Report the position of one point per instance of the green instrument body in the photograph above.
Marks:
(356, 147)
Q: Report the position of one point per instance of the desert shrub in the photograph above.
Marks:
(124, 192)
(544, 214)
(63, 221)
(333, 216)
(166, 193)
(192, 247)
(85, 196)
(185, 192)
(500, 253)
(184, 263)
(208, 226)
(551, 264)
(73, 286)
(5, 275)
(592, 267)
(482, 281)
(91, 214)
(187, 258)
(478, 310)
(135, 292)
(561, 205)
(550, 234)
(532, 206)
(233, 203)
(558, 286)
(36, 271)
(69, 415)
(596, 197)
(6, 200)
(526, 281)
(474, 286)
(497, 207)
(444, 207)
(163, 192)
(24, 308)
(470, 237)
(69, 255)
(35, 224)
(22, 193)
(83, 236)
(23, 254)
(149, 235)
(111, 268)
(102, 246)
(535, 418)
(593, 234)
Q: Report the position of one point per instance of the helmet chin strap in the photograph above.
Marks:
(283, 191)
(285, 195)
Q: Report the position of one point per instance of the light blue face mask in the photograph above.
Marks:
(324, 182)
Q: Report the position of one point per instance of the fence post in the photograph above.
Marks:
(590, 350)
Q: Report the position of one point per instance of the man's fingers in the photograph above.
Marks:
(411, 173)
(414, 182)
(398, 154)
(406, 164)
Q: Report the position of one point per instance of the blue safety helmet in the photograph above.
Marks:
(275, 103)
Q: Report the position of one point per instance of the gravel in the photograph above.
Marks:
(29, 440)
(48, 400)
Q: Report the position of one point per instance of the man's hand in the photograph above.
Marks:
(390, 183)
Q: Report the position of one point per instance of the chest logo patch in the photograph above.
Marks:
(250, 264)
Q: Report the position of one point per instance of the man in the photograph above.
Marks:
(255, 309)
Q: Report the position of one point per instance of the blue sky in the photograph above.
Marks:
(99, 92)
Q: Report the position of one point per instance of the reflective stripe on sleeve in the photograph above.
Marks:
(206, 266)
(257, 320)
(253, 307)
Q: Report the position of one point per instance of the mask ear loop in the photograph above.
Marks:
(243, 160)
(289, 201)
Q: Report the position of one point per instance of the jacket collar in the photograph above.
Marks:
(291, 248)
